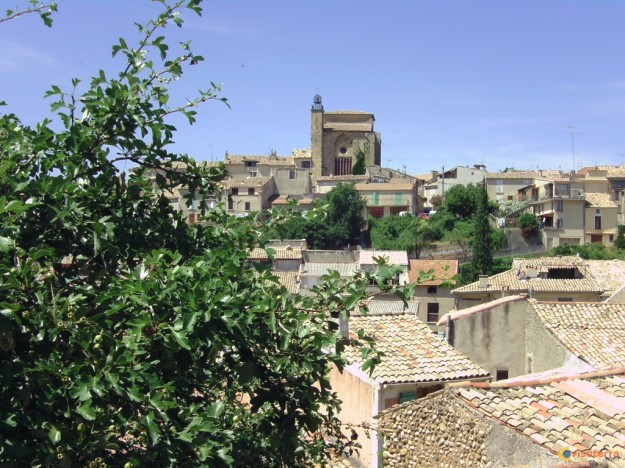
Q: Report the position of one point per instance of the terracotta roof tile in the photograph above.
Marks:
(412, 352)
(393, 257)
(600, 200)
(443, 270)
(589, 414)
(599, 276)
(593, 331)
(279, 254)
(406, 184)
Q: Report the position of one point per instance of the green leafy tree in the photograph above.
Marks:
(463, 200)
(360, 167)
(128, 337)
(337, 224)
(619, 242)
(482, 257)
(528, 223)
(436, 201)
(402, 233)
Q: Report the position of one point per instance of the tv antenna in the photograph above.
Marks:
(573, 131)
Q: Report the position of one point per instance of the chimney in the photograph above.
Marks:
(483, 281)
(532, 272)
(344, 325)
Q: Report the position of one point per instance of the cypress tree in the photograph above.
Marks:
(482, 260)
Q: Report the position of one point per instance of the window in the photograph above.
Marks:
(562, 189)
(305, 164)
(501, 374)
(560, 223)
(399, 199)
(433, 312)
(375, 198)
(343, 166)
(565, 299)
(499, 185)
(597, 221)
(611, 237)
(431, 289)
(191, 218)
(407, 396)
(230, 204)
(250, 191)
(248, 206)
(251, 163)
(292, 174)
(253, 174)
(235, 191)
(559, 205)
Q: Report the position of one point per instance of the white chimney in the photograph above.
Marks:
(483, 281)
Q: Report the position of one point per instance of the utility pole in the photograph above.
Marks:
(573, 133)
(443, 182)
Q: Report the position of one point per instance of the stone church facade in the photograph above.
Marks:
(337, 138)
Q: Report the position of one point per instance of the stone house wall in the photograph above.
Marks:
(543, 351)
(443, 430)
(493, 338)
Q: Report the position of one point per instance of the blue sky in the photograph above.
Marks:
(450, 82)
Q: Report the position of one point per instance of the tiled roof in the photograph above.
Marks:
(407, 184)
(393, 257)
(349, 178)
(458, 314)
(279, 254)
(247, 182)
(599, 200)
(565, 411)
(261, 159)
(288, 279)
(302, 153)
(542, 174)
(412, 352)
(334, 256)
(442, 270)
(319, 269)
(593, 331)
(383, 307)
(599, 276)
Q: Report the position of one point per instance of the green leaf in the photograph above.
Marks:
(6, 244)
(86, 411)
(54, 435)
(181, 338)
(153, 430)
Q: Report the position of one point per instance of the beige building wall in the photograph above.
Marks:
(292, 180)
(442, 297)
(494, 338)
(609, 225)
(357, 410)
(543, 351)
(386, 199)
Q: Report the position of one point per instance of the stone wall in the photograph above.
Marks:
(434, 431)
(443, 430)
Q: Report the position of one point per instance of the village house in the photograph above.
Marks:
(433, 291)
(317, 263)
(439, 183)
(513, 335)
(505, 186)
(547, 279)
(415, 363)
(543, 420)
(390, 198)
